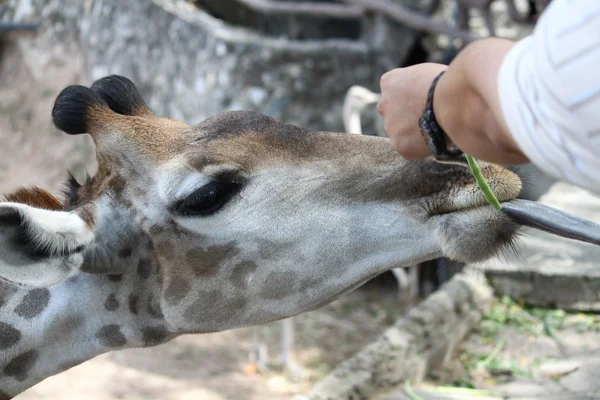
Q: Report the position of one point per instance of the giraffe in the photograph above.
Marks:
(238, 221)
(357, 99)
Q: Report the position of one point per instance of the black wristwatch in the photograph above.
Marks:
(434, 135)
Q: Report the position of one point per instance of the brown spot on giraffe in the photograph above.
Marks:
(241, 272)
(207, 261)
(125, 252)
(154, 308)
(308, 283)
(20, 366)
(117, 184)
(275, 287)
(9, 336)
(220, 308)
(134, 301)
(165, 250)
(111, 336)
(111, 303)
(153, 336)
(33, 303)
(6, 292)
(177, 289)
(196, 258)
(144, 268)
(115, 278)
(156, 230)
(63, 326)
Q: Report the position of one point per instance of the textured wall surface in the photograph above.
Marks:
(34, 67)
(189, 65)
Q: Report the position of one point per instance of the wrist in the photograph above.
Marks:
(471, 124)
(467, 102)
(437, 140)
(453, 104)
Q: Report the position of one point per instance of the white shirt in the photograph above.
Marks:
(549, 87)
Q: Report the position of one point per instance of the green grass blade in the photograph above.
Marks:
(492, 356)
(482, 183)
(409, 392)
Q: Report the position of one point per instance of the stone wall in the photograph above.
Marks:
(422, 342)
(34, 67)
(189, 65)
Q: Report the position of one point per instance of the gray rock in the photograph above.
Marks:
(586, 378)
(558, 369)
(417, 344)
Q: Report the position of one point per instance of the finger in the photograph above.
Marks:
(410, 147)
(380, 106)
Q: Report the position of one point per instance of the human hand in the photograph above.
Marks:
(403, 98)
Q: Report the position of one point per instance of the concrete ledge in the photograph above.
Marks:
(419, 343)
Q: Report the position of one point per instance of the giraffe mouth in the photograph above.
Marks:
(507, 186)
(538, 216)
(470, 197)
(461, 192)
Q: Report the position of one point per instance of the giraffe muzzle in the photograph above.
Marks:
(551, 220)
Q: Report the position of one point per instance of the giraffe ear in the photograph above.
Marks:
(40, 247)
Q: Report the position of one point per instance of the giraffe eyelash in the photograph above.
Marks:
(208, 199)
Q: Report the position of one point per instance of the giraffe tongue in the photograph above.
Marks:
(551, 220)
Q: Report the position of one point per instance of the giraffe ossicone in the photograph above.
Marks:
(237, 221)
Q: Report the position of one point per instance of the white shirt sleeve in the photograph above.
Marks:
(549, 88)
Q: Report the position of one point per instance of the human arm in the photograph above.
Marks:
(537, 99)
(466, 104)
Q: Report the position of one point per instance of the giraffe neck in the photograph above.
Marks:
(46, 331)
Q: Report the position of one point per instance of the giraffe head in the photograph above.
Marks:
(241, 219)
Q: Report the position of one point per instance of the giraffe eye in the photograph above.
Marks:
(208, 199)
